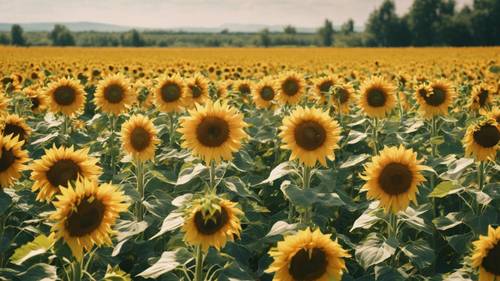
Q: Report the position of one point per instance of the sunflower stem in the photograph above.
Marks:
(375, 135)
(65, 129)
(140, 188)
(76, 270)
(306, 179)
(198, 273)
(111, 144)
(171, 129)
(212, 177)
(392, 227)
(480, 175)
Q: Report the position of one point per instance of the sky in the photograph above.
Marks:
(194, 13)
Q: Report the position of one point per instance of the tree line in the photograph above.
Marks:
(427, 23)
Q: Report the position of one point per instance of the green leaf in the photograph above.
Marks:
(373, 250)
(369, 218)
(456, 168)
(39, 272)
(420, 254)
(281, 228)
(437, 140)
(189, 173)
(355, 137)
(125, 231)
(412, 217)
(447, 222)
(160, 177)
(460, 242)
(279, 171)
(38, 246)
(173, 221)
(45, 139)
(354, 160)
(387, 273)
(445, 188)
(307, 197)
(168, 261)
(5, 201)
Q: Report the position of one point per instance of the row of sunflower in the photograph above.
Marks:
(253, 179)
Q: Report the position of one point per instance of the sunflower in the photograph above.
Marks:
(221, 90)
(139, 137)
(12, 160)
(308, 255)
(243, 87)
(377, 97)
(198, 89)
(311, 135)
(211, 222)
(39, 102)
(58, 167)
(16, 126)
(482, 140)
(264, 93)
(493, 114)
(171, 94)
(392, 178)
(323, 86)
(343, 97)
(213, 131)
(114, 95)
(66, 96)
(481, 96)
(435, 98)
(4, 102)
(486, 255)
(291, 88)
(85, 214)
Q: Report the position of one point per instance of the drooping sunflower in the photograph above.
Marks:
(197, 89)
(343, 97)
(486, 255)
(39, 102)
(323, 86)
(58, 167)
(86, 213)
(392, 177)
(139, 137)
(291, 88)
(481, 96)
(114, 95)
(482, 140)
(213, 131)
(264, 93)
(211, 222)
(66, 96)
(12, 160)
(308, 255)
(377, 97)
(14, 125)
(171, 94)
(434, 99)
(311, 135)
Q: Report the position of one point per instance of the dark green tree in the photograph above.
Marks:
(61, 36)
(136, 39)
(264, 38)
(385, 28)
(423, 19)
(4, 39)
(289, 29)
(326, 33)
(485, 22)
(17, 35)
(347, 27)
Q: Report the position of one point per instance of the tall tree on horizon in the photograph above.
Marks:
(17, 35)
(326, 33)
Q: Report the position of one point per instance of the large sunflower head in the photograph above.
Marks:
(393, 178)
(481, 96)
(311, 135)
(213, 131)
(114, 94)
(12, 160)
(171, 94)
(482, 140)
(264, 93)
(486, 255)
(198, 89)
(16, 126)
(291, 88)
(60, 166)
(211, 222)
(85, 214)
(66, 96)
(377, 97)
(139, 137)
(308, 255)
(435, 98)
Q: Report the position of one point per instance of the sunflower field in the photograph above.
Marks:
(250, 164)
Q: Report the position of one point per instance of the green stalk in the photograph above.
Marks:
(111, 143)
(76, 270)
(198, 273)
(306, 179)
(375, 136)
(171, 129)
(480, 175)
(212, 186)
(140, 188)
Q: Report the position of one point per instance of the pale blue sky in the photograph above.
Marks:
(193, 13)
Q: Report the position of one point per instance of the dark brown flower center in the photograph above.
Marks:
(267, 93)
(170, 92)
(492, 260)
(86, 218)
(35, 103)
(342, 95)
(7, 159)
(244, 89)
(376, 97)
(436, 97)
(212, 131)
(487, 136)
(395, 179)
(140, 138)
(308, 265)
(208, 225)
(325, 86)
(62, 172)
(114, 93)
(196, 91)
(310, 135)
(15, 130)
(64, 95)
(290, 87)
(483, 97)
